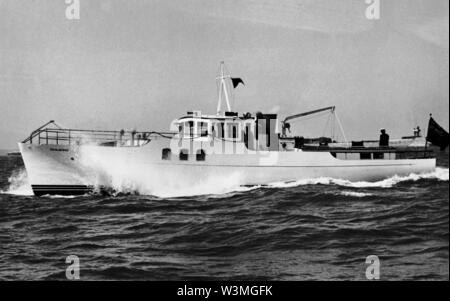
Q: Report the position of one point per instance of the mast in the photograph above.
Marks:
(223, 86)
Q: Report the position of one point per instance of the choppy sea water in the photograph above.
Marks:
(318, 229)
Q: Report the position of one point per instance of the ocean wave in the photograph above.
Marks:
(60, 196)
(18, 184)
(440, 174)
(355, 194)
(221, 187)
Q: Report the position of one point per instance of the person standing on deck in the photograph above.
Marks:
(417, 131)
(384, 138)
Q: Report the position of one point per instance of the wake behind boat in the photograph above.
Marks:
(250, 149)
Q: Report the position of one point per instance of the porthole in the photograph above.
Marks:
(184, 155)
(200, 155)
(166, 154)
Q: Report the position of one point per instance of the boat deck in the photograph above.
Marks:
(371, 152)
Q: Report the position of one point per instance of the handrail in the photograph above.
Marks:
(69, 136)
(36, 131)
(357, 149)
(46, 135)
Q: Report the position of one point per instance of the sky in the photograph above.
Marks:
(137, 64)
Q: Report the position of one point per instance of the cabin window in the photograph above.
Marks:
(365, 156)
(357, 143)
(378, 156)
(232, 130)
(200, 156)
(166, 154)
(191, 128)
(246, 133)
(188, 128)
(202, 128)
(220, 130)
(184, 154)
(299, 142)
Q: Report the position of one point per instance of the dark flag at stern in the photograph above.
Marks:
(437, 135)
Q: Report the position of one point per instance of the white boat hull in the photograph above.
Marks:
(64, 169)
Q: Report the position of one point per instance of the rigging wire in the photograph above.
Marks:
(326, 125)
(341, 128)
(332, 126)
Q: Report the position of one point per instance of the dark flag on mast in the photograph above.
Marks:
(236, 81)
(437, 135)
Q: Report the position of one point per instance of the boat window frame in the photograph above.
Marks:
(378, 156)
(180, 127)
(212, 129)
(188, 128)
(235, 132)
(202, 128)
(200, 155)
(166, 154)
(246, 131)
(183, 155)
(220, 129)
(365, 156)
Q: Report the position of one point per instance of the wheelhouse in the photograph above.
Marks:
(230, 128)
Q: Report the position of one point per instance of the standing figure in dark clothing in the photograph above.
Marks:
(384, 138)
(417, 131)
